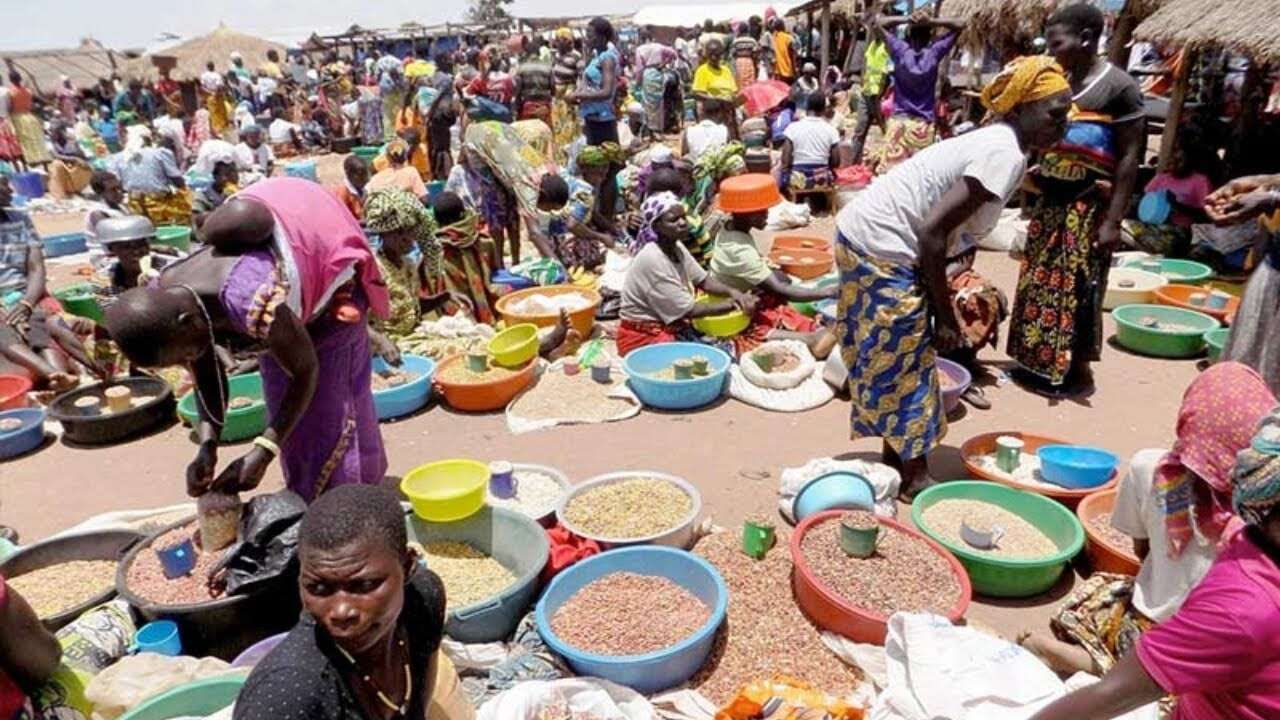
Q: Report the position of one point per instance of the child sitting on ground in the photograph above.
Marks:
(127, 241)
(110, 202)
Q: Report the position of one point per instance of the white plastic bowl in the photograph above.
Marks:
(680, 536)
(1143, 291)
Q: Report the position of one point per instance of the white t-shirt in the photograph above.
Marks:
(704, 136)
(885, 219)
(280, 129)
(262, 157)
(1163, 582)
(812, 139)
(210, 81)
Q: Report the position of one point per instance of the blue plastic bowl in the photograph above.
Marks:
(835, 490)
(60, 245)
(676, 394)
(826, 310)
(407, 398)
(655, 671)
(1077, 467)
(26, 438)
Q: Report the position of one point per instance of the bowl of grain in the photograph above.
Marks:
(538, 492)
(1161, 330)
(63, 577)
(541, 306)
(1108, 549)
(481, 391)
(651, 374)
(635, 507)
(979, 456)
(403, 390)
(489, 564)
(1039, 537)
(855, 597)
(643, 617)
(21, 431)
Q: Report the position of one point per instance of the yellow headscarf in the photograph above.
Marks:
(564, 33)
(1027, 79)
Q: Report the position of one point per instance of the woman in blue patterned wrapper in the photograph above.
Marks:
(895, 309)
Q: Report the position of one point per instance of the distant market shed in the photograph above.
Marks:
(85, 65)
(188, 59)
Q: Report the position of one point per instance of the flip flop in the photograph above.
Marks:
(976, 397)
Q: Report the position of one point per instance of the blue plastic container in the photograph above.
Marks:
(60, 245)
(1077, 467)
(434, 189)
(834, 491)
(407, 398)
(676, 394)
(178, 559)
(305, 169)
(26, 438)
(655, 671)
(30, 184)
(159, 637)
(200, 698)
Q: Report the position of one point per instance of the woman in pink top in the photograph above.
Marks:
(1219, 655)
(1186, 185)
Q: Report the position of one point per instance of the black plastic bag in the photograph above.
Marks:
(267, 551)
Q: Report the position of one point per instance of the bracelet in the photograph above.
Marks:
(267, 444)
(27, 304)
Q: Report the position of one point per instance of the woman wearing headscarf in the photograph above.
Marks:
(1176, 505)
(895, 310)
(467, 257)
(412, 279)
(564, 119)
(1219, 654)
(150, 175)
(658, 296)
(398, 173)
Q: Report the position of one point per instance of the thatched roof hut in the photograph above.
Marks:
(84, 65)
(190, 57)
(1009, 25)
(1248, 27)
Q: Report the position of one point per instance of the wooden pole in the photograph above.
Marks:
(826, 39)
(1181, 82)
(1118, 50)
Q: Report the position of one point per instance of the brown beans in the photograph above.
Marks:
(146, 575)
(1101, 524)
(60, 587)
(904, 573)
(628, 614)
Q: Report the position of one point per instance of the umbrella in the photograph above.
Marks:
(764, 96)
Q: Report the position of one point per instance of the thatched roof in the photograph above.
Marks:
(1011, 23)
(1246, 27)
(84, 65)
(192, 55)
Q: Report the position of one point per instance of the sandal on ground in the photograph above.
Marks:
(976, 397)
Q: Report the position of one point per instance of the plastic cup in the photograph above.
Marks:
(602, 371)
(1218, 300)
(859, 542)
(502, 480)
(1197, 299)
(477, 362)
(178, 559)
(1008, 453)
(683, 369)
(571, 367)
(701, 366)
(757, 538)
(159, 637)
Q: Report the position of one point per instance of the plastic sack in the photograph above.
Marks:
(884, 483)
(137, 678)
(778, 380)
(786, 698)
(598, 698)
(788, 216)
(812, 393)
(268, 546)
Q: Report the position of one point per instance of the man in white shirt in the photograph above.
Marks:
(210, 80)
(810, 150)
(264, 159)
(710, 133)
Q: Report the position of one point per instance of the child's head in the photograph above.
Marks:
(665, 180)
(816, 104)
(224, 174)
(448, 208)
(252, 136)
(553, 192)
(746, 222)
(356, 169)
(107, 187)
(126, 238)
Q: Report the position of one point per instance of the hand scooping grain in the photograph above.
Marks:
(627, 509)
(1021, 539)
(628, 614)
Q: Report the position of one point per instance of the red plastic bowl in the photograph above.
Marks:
(985, 444)
(831, 612)
(13, 391)
(1103, 555)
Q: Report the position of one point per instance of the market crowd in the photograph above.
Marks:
(642, 165)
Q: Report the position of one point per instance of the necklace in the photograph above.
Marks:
(399, 709)
(222, 390)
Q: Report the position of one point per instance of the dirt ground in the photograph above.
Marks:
(732, 452)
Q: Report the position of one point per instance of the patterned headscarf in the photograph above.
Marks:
(392, 209)
(651, 209)
(721, 162)
(1257, 473)
(1219, 412)
(606, 154)
(1026, 79)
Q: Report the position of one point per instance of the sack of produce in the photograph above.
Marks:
(778, 364)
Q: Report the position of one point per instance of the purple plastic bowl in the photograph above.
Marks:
(257, 651)
(958, 373)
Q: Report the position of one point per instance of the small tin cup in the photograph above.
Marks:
(683, 369)
(1218, 300)
(1009, 452)
(859, 542)
(758, 538)
(477, 362)
(982, 537)
(602, 370)
(571, 367)
(1198, 299)
(701, 365)
(502, 479)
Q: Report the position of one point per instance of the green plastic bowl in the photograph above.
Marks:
(1215, 340)
(199, 698)
(1000, 577)
(810, 307)
(368, 152)
(174, 236)
(81, 300)
(1157, 341)
(1186, 272)
(241, 423)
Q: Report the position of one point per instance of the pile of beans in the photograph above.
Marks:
(146, 575)
(628, 614)
(457, 373)
(468, 574)
(632, 508)
(1101, 524)
(60, 587)
(765, 634)
(904, 573)
(1021, 540)
(536, 494)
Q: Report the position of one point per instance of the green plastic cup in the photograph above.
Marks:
(859, 542)
(757, 538)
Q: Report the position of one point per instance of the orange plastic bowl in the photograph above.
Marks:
(13, 391)
(582, 320)
(749, 193)
(1103, 555)
(482, 397)
(801, 242)
(985, 444)
(804, 264)
(1180, 296)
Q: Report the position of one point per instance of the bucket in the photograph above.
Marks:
(29, 184)
(174, 236)
(159, 637)
(305, 169)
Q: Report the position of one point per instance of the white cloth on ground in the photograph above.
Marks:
(884, 482)
(588, 696)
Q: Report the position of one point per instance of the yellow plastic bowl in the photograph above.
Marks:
(515, 346)
(722, 326)
(447, 490)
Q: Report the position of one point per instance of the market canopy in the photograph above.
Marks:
(687, 16)
(1247, 27)
(190, 57)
